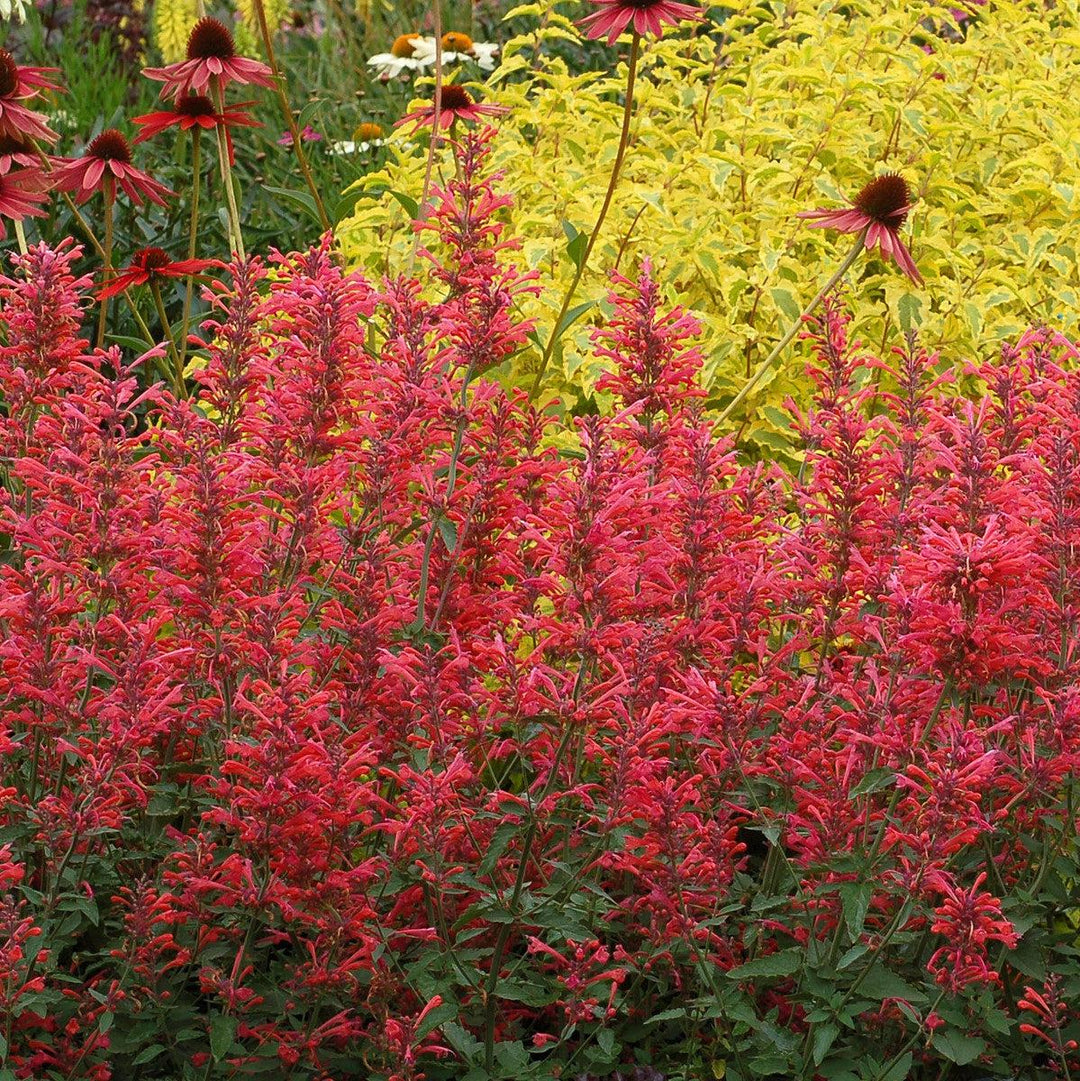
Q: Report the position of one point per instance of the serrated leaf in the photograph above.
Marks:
(222, 1034)
(957, 1046)
(784, 963)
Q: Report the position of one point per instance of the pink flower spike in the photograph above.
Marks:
(646, 17)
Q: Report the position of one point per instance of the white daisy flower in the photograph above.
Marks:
(410, 52)
(14, 7)
(457, 48)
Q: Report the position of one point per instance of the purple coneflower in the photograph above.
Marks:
(456, 104)
(646, 16)
(879, 210)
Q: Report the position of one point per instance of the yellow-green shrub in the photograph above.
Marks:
(797, 108)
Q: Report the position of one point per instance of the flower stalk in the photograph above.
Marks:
(783, 343)
(236, 239)
(290, 119)
(624, 140)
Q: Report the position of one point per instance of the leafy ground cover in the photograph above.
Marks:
(466, 644)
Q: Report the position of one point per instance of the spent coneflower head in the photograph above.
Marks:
(879, 211)
(106, 164)
(150, 264)
(17, 84)
(211, 59)
(456, 103)
(644, 16)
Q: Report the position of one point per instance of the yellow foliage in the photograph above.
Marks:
(798, 106)
(173, 20)
(276, 11)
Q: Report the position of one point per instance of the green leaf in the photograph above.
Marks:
(899, 1070)
(222, 1034)
(909, 312)
(824, 1037)
(409, 204)
(576, 243)
(957, 1046)
(302, 199)
(786, 302)
(784, 963)
(448, 532)
(148, 1054)
(880, 983)
(856, 898)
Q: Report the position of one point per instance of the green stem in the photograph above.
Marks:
(236, 241)
(429, 167)
(616, 169)
(110, 197)
(193, 232)
(20, 236)
(290, 120)
(166, 330)
(782, 344)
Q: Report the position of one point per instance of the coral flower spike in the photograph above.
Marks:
(879, 210)
(149, 264)
(456, 104)
(211, 55)
(646, 17)
(108, 157)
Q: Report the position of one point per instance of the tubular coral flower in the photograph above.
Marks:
(108, 157)
(880, 210)
(969, 920)
(211, 55)
(191, 111)
(456, 104)
(20, 192)
(647, 16)
(150, 263)
(18, 83)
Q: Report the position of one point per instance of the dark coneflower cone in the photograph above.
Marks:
(195, 105)
(210, 38)
(885, 200)
(110, 145)
(14, 144)
(151, 259)
(455, 97)
(9, 74)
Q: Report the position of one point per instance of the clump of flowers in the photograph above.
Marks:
(350, 721)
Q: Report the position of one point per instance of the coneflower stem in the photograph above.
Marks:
(236, 241)
(20, 236)
(193, 232)
(103, 311)
(166, 330)
(429, 168)
(782, 344)
(624, 140)
(290, 120)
